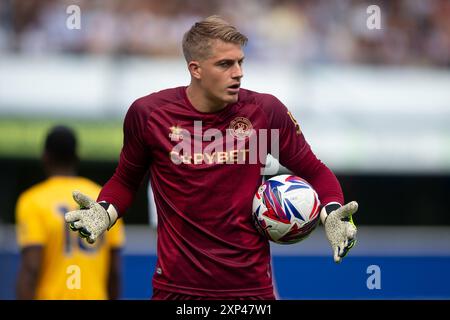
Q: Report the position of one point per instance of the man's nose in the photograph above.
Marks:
(237, 71)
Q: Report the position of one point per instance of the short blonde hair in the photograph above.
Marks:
(197, 41)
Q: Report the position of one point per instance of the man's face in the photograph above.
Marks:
(220, 74)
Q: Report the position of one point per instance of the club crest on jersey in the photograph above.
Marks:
(241, 128)
(176, 133)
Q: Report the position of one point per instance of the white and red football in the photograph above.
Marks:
(286, 209)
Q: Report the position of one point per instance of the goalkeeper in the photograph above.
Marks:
(208, 247)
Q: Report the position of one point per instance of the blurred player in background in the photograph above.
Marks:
(208, 247)
(54, 263)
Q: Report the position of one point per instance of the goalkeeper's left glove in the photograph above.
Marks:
(339, 227)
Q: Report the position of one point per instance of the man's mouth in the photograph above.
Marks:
(234, 86)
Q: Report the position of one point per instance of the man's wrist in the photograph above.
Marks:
(112, 213)
(327, 209)
(330, 207)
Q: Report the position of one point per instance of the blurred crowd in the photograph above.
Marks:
(413, 32)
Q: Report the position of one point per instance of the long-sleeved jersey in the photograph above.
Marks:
(204, 170)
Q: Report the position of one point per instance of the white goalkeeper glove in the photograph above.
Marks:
(93, 218)
(339, 227)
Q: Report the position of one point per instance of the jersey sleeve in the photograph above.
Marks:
(133, 163)
(295, 153)
(30, 228)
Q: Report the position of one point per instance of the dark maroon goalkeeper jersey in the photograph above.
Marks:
(204, 173)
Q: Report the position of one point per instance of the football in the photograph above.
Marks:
(286, 209)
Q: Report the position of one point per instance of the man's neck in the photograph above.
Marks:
(61, 172)
(202, 103)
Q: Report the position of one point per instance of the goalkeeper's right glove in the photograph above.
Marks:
(93, 218)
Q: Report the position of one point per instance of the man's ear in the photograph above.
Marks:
(195, 69)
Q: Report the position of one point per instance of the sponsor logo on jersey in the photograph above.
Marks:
(220, 157)
(239, 144)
